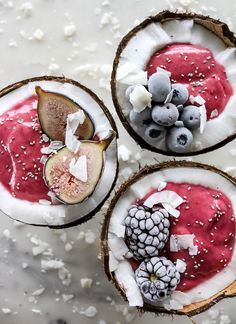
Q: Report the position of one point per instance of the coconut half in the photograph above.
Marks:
(154, 34)
(49, 211)
(115, 252)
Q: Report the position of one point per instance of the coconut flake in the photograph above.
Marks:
(203, 118)
(79, 168)
(169, 199)
(140, 98)
(197, 99)
(180, 266)
(159, 69)
(214, 113)
(183, 242)
(130, 74)
(125, 277)
(172, 211)
(53, 147)
(117, 246)
(73, 121)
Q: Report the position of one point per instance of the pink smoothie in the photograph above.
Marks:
(208, 214)
(21, 171)
(196, 67)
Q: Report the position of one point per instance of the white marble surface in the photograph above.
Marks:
(87, 57)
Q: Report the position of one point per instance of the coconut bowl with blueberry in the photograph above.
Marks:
(173, 84)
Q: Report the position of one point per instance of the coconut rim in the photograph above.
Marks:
(189, 310)
(107, 113)
(219, 28)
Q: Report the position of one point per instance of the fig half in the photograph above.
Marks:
(53, 109)
(73, 177)
(148, 43)
(215, 283)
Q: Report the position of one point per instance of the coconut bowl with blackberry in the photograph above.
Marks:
(164, 247)
(173, 83)
(58, 152)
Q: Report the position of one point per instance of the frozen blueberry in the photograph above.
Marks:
(191, 117)
(180, 94)
(165, 115)
(179, 139)
(140, 119)
(129, 90)
(153, 131)
(159, 86)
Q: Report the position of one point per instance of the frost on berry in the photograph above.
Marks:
(146, 232)
(157, 278)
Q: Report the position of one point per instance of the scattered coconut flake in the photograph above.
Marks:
(203, 118)
(73, 121)
(197, 99)
(6, 311)
(86, 283)
(214, 113)
(91, 311)
(6, 233)
(53, 67)
(180, 266)
(161, 186)
(225, 319)
(79, 168)
(45, 138)
(183, 242)
(38, 34)
(38, 292)
(51, 264)
(140, 98)
(169, 199)
(24, 265)
(65, 276)
(117, 246)
(67, 298)
(36, 311)
(69, 30)
(130, 74)
(26, 8)
(90, 237)
(124, 153)
(52, 148)
(159, 69)
(172, 211)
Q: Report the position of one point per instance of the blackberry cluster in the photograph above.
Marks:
(157, 278)
(146, 232)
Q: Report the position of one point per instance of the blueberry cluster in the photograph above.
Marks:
(157, 278)
(170, 114)
(146, 232)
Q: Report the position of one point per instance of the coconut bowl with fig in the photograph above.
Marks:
(58, 152)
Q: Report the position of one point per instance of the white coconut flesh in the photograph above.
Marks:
(62, 214)
(118, 262)
(156, 36)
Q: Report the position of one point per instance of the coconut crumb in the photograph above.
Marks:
(86, 283)
(91, 311)
(69, 30)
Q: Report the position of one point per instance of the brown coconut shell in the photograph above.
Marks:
(217, 27)
(194, 308)
(63, 79)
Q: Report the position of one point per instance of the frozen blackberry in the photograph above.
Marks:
(146, 232)
(157, 278)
